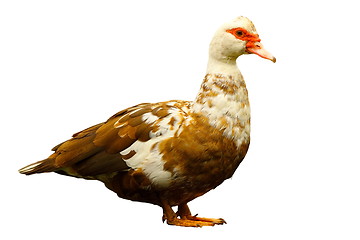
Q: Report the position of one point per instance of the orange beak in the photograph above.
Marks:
(258, 49)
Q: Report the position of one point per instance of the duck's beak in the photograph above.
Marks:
(258, 49)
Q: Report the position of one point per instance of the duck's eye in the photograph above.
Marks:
(239, 33)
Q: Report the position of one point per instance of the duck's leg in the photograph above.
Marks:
(172, 218)
(184, 213)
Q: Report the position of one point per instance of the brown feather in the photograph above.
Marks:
(46, 165)
(140, 112)
(135, 121)
(131, 132)
(129, 155)
(160, 111)
(143, 132)
(100, 163)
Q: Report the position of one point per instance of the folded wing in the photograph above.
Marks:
(97, 149)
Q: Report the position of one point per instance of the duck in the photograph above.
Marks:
(169, 153)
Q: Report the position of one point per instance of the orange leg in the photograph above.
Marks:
(186, 219)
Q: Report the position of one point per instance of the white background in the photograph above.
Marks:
(66, 65)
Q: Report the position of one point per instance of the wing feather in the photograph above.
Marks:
(96, 150)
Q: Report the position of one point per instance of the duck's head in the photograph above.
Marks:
(236, 38)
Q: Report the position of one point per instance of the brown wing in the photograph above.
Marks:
(96, 150)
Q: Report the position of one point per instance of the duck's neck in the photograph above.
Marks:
(225, 66)
(223, 99)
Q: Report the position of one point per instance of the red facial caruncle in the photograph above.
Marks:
(253, 44)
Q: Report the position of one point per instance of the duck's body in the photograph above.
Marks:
(169, 153)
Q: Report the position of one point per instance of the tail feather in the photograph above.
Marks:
(46, 165)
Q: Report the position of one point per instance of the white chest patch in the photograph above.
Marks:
(224, 101)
